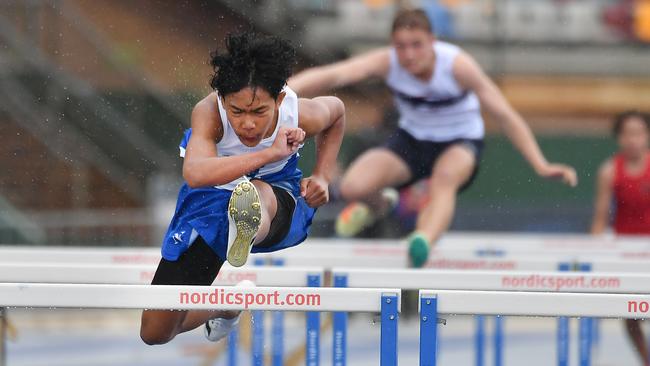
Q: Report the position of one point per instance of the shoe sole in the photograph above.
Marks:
(346, 229)
(244, 209)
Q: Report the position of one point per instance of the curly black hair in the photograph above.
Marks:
(252, 60)
(621, 118)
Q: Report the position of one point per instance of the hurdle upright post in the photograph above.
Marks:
(278, 328)
(389, 324)
(428, 330)
(340, 326)
(563, 330)
(233, 355)
(479, 341)
(498, 340)
(3, 336)
(257, 320)
(313, 328)
(586, 331)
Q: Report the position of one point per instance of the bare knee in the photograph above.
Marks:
(155, 331)
(445, 179)
(153, 336)
(153, 339)
(267, 196)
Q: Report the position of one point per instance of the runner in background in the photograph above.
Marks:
(623, 187)
(439, 91)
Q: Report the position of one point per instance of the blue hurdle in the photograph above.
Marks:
(389, 325)
(433, 303)
(384, 301)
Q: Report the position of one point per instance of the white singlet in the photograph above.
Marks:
(437, 110)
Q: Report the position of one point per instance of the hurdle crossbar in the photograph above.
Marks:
(545, 304)
(191, 297)
(143, 274)
(330, 253)
(417, 279)
(86, 255)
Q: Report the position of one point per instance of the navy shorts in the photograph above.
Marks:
(420, 156)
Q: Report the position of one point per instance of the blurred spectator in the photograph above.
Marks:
(642, 20)
(440, 17)
(630, 19)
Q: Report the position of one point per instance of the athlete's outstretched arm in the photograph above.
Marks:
(317, 80)
(202, 167)
(470, 76)
(603, 201)
(323, 118)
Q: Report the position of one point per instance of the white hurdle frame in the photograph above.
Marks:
(435, 302)
(476, 251)
(629, 255)
(143, 274)
(419, 279)
(567, 282)
(385, 301)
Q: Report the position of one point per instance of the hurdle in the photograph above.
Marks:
(87, 255)
(462, 251)
(301, 299)
(143, 274)
(452, 244)
(569, 282)
(433, 303)
(475, 252)
(544, 241)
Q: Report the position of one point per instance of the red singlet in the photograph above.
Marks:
(632, 197)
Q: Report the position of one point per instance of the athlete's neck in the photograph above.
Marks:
(276, 115)
(427, 73)
(635, 165)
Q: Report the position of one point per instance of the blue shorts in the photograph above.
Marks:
(203, 211)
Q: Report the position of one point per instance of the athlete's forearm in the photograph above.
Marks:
(523, 139)
(603, 200)
(513, 126)
(598, 226)
(215, 171)
(328, 142)
(601, 215)
(601, 218)
(314, 81)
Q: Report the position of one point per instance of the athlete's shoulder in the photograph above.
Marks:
(446, 47)
(310, 109)
(607, 169)
(207, 108)
(206, 117)
(316, 113)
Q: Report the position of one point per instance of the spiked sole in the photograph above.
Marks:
(244, 210)
(353, 219)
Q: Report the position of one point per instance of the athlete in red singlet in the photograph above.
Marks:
(632, 196)
(624, 187)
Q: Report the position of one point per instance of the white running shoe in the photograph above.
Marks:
(218, 328)
(391, 195)
(244, 217)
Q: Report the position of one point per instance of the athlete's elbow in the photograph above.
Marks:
(337, 111)
(339, 105)
(192, 177)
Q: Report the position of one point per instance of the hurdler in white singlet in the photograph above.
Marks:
(439, 109)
